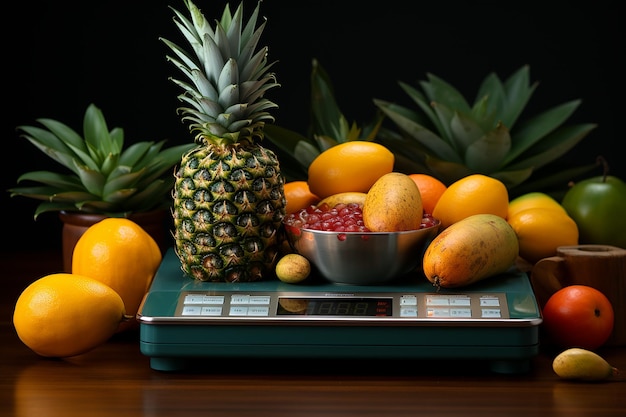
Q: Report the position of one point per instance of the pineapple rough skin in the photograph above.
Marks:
(229, 207)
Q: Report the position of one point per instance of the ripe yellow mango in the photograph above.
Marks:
(470, 250)
(393, 204)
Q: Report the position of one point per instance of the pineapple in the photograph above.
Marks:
(450, 139)
(228, 196)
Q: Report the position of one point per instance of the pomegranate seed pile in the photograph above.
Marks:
(340, 218)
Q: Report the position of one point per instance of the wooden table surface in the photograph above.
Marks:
(116, 380)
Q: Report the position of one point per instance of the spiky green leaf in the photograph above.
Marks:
(92, 180)
(66, 134)
(553, 146)
(464, 131)
(439, 91)
(518, 93)
(53, 179)
(486, 154)
(426, 138)
(538, 127)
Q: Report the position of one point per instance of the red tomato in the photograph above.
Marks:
(578, 316)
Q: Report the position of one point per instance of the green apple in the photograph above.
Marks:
(598, 206)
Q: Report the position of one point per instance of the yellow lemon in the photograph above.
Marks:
(533, 200)
(541, 231)
(119, 253)
(473, 194)
(350, 166)
(62, 315)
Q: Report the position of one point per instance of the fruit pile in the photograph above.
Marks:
(482, 234)
(67, 314)
(352, 187)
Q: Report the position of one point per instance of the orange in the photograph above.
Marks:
(299, 196)
(540, 231)
(578, 316)
(473, 194)
(350, 166)
(119, 253)
(430, 188)
(531, 200)
(62, 315)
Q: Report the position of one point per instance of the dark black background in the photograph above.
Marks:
(60, 56)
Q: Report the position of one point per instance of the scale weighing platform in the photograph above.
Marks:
(183, 321)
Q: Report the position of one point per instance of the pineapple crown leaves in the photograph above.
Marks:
(104, 177)
(451, 138)
(328, 127)
(226, 78)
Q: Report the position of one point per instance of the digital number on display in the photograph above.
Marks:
(356, 307)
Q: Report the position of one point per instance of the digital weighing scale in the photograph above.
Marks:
(184, 321)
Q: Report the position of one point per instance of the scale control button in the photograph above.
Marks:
(239, 299)
(460, 301)
(211, 311)
(489, 301)
(491, 313)
(438, 312)
(213, 299)
(238, 311)
(258, 311)
(408, 300)
(191, 310)
(260, 299)
(465, 313)
(437, 300)
(203, 299)
(454, 312)
(408, 312)
(193, 298)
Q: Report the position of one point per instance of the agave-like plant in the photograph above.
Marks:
(329, 127)
(447, 137)
(102, 177)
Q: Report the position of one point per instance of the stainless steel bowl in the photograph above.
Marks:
(362, 258)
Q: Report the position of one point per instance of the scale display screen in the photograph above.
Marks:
(308, 306)
(347, 307)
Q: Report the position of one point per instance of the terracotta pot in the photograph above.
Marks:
(156, 223)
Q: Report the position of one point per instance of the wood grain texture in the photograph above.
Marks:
(116, 380)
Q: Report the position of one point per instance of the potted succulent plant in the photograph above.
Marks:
(102, 178)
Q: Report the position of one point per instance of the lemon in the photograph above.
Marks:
(354, 165)
(473, 194)
(62, 315)
(532, 200)
(122, 255)
(540, 231)
(293, 268)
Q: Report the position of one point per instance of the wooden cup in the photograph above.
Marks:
(602, 267)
